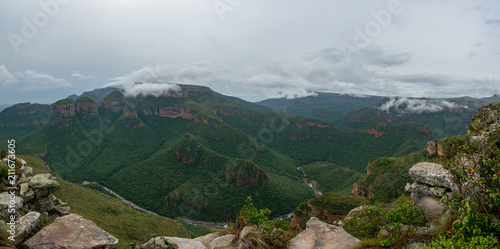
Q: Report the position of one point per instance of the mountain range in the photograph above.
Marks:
(198, 154)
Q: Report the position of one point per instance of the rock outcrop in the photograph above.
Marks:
(37, 196)
(320, 235)
(71, 231)
(432, 182)
(486, 119)
(179, 243)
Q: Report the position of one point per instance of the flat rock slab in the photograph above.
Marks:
(71, 231)
(222, 241)
(178, 243)
(206, 239)
(24, 226)
(320, 235)
(431, 174)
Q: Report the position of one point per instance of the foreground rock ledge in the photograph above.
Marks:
(71, 231)
(320, 235)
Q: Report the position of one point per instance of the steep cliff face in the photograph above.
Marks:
(115, 101)
(64, 112)
(129, 111)
(86, 108)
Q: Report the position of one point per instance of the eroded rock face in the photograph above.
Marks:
(86, 108)
(320, 235)
(486, 119)
(422, 189)
(431, 174)
(71, 231)
(63, 113)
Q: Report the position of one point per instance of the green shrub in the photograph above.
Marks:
(475, 169)
(251, 215)
(398, 222)
(365, 223)
(477, 242)
(407, 213)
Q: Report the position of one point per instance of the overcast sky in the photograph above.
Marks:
(252, 49)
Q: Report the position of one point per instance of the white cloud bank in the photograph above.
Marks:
(418, 106)
(30, 80)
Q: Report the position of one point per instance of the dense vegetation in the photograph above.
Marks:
(472, 209)
(233, 149)
(110, 213)
(388, 176)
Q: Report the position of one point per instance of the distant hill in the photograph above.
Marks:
(97, 94)
(445, 117)
(324, 106)
(23, 118)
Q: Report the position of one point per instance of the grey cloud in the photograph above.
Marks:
(79, 76)
(5, 76)
(492, 21)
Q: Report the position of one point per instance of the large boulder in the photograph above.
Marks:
(71, 231)
(6, 201)
(430, 204)
(178, 243)
(43, 185)
(431, 174)
(24, 226)
(320, 235)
